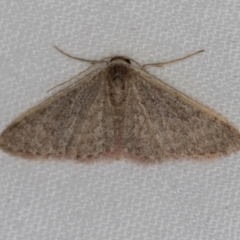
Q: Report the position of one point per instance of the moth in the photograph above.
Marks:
(120, 110)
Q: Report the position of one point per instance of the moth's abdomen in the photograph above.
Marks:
(118, 84)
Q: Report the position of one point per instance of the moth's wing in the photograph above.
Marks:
(161, 122)
(76, 123)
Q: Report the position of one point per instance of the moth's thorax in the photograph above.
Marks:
(118, 71)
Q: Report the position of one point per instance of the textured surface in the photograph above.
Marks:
(65, 200)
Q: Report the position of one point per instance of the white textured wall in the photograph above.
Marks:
(66, 200)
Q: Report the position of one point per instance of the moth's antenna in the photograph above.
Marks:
(76, 58)
(172, 61)
(92, 62)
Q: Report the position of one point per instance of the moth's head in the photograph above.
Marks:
(120, 59)
(118, 67)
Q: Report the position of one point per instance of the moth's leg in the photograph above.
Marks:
(175, 60)
(76, 58)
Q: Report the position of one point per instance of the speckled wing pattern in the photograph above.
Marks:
(163, 123)
(69, 125)
(120, 110)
